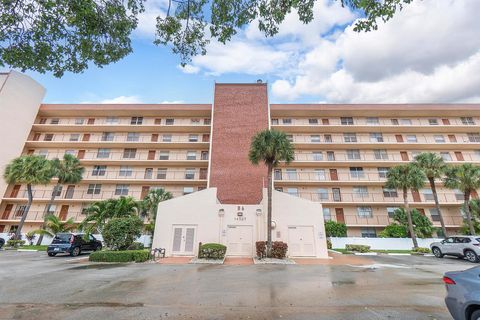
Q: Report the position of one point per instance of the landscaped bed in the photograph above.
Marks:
(120, 256)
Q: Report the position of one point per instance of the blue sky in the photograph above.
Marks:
(429, 52)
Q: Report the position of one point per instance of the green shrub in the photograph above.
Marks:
(15, 243)
(421, 250)
(120, 256)
(120, 233)
(357, 248)
(136, 246)
(212, 251)
(329, 244)
(335, 229)
(394, 230)
(279, 250)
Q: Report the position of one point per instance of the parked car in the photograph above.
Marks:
(463, 293)
(73, 244)
(460, 246)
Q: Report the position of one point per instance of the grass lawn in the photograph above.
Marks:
(345, 251)
(39, 248)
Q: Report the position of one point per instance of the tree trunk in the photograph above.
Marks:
(466, 197)
(52, 198)
(409, 218)
(18, 233)
(437, 205)
(269, 211)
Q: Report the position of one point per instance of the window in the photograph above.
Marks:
(291, 174)
(94, 188)
(195, 121)
(55, 121)
(164, 155)
(439, 138)
(477, 154)
(411, 138)
(43, 120)
(189, 174)
(427, 194)
(473, 137)
(405, 122)
(43, 153)
(376, 137)
(435, 214)
(187, 190)
(121, 189)
(51, 208)
(108, 136)
(129, 153)
(20, 210)
(290, 137)
(167, 138)
(70, 152)
(390, 193)
(79, 121)
(382, 172)
(48, 137)
(459, 195)
(446, 156)
(467, 120)
(125, 171)
(356, 172)
(74, 136)
(350, 137)
(391, 211)
(322, 193)
(346, 121)
(207, 121)
(380, 154)
(394, 122)
(433, 122)
(327, 138)
(136, 120)
(353, 154)
(330, 156)
(315, 138)
(133, 136)
(103, 153)
(415, 154)
(368, 233)
(99, 170)
(372, 120)
(312, 121)
(191, 155)
(193, 138)
(169, 122)
(292, 191)
(320, 174)
(111, 120)
(364, 212)
(360, 191)
(162, 173)
(287, 121)
(317, 155)
(274, 121)
(327, 215)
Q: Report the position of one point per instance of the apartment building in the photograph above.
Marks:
(342, 154)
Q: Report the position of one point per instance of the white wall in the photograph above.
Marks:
(382, 243)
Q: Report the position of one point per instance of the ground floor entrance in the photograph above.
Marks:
(240, 241)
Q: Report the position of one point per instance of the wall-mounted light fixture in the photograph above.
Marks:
(221, 212)
(259, 212)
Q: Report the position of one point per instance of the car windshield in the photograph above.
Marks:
(62, 238)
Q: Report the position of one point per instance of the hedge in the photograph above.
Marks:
(15, 243)
(421, 250)
(279, 249)
(120, 256)
(357, 248)
(212, 251)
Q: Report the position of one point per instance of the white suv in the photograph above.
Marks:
(460, 246)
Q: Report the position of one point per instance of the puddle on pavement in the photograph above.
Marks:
(98, 266)
(343, 283)
(103, 304)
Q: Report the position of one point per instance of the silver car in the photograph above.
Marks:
(463, 294)
(460, 246)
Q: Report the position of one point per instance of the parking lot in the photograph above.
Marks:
(34, 286)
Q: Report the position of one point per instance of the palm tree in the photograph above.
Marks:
(434, 168)
(30, 170)
(270, 147)
(465, 178)
(54, 225)
(150, 203)
(405, 177)
(98, 213)
(67, 171)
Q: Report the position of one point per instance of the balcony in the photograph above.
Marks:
(384, 220)
(147, 176)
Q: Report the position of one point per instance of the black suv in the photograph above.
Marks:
(73, 244)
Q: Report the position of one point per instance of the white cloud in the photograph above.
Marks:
(147, 20)
(189, 69)
(172, 102)
(119, 99)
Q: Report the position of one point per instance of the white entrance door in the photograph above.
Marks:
(239, 241)
(183, 240)
(301, 241)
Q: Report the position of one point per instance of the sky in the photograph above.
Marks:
(428, 53)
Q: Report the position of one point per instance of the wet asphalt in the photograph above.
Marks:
(34, 286)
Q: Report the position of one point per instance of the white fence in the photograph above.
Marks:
(382, 243)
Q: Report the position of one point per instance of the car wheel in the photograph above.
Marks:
(52, 254)
(98, 248)
(475, 315)
(471, 256)
(437, 252)
(75, 252)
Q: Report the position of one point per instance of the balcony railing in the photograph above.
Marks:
(145, 175)
(381, 122)
(141, 154)
(384, 220)
(370, 156)
(121, 139)
(385, 139)
(147, 121)
(325, 175)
